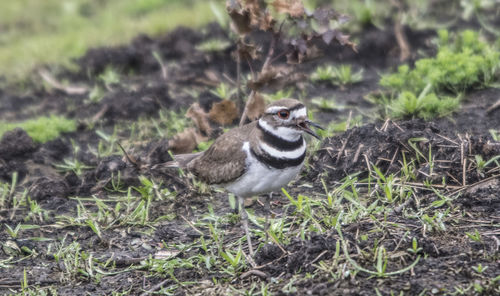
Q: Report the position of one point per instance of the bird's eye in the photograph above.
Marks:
(283, 114)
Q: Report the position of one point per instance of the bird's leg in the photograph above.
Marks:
(267, 209)
(244, 221)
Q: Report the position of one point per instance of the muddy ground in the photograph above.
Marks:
(119, 259)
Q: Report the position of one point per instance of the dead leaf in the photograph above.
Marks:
(166, 254)
(186, 141)
(313, 52)
(255, 11)
(264, 78)
(224, 112)
(299, 51)
(293, 58)
(343, 19)
(343, 39)
(247, 15)
(240, 22)
(247, 51)
(200, 119)
(300, 44)
(294, 8)
(328, 36)
(256, 107)
(324, 15)
(267, 22)
(274, 77)
(212, 76)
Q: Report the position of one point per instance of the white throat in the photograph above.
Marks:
(286, 133)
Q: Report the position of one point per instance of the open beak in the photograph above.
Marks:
(304, 125)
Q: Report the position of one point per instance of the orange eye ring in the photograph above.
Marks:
(283, 114)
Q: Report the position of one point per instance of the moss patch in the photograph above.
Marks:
(42, 129)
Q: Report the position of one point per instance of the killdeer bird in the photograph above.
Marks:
(257, 158)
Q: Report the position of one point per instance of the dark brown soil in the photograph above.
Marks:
(446, 256)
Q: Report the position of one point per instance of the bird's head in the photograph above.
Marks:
(287, 118)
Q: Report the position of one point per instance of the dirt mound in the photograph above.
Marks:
(440, 156)
(15, 147)
(16, 143)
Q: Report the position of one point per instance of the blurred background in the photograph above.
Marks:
(34, 32)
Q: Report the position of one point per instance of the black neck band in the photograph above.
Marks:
(280, 143)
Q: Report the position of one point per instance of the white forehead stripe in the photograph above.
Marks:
(302, 112)
(293, 154)
(285, 133)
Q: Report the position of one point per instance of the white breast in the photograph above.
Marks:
(259, 178)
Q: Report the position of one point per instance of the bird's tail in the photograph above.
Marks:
(180, 161)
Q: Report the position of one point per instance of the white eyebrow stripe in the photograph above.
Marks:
(294, 154)
(302, 112)
(275, 109)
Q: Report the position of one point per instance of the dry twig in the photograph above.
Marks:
(69, 89)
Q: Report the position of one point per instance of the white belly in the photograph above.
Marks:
(261, 179)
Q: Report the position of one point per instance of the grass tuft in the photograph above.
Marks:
(425, 106)
(342, 75)
(434, 86)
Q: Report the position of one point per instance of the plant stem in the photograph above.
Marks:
(264, 68)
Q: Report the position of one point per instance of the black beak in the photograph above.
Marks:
(304, 125)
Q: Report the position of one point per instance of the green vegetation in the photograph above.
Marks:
(109, 76)
(342, 75)
(495, 134)
(426, 105)
(42, 129)
(213, 45)
(52, 31)
(95, 95)
(204, 145)
(73, 165)
(218, 253)
(325, 104)
(280, 94)
(323, 74)
(459, 66)
(166, 124)
(417, 14)
(223, 91)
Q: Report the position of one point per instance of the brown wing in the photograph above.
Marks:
(224, 161)
(182, 160)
